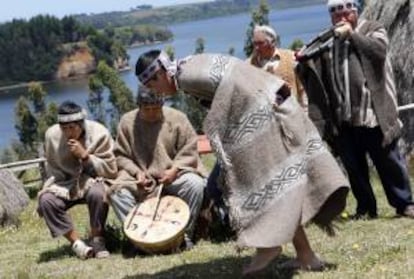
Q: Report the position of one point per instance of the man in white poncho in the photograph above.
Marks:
(80, 157)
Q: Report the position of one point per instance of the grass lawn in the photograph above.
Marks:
(382, 248)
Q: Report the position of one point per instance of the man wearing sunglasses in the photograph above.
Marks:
(352, 99)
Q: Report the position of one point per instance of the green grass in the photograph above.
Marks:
(382, 248)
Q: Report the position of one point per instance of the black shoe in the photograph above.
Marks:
(364, 216)
(409, 211)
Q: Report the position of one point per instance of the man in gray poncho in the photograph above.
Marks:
(277, 173)
(352, 100)
(157, 145)
(79, 157)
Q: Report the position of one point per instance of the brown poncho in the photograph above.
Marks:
(278, 173)
(153, 147)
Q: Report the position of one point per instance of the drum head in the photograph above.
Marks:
(169, 223)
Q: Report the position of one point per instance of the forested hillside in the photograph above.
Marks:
(146, 14)
(34, 49)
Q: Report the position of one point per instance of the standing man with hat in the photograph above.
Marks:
(79, 157)
(353, 101)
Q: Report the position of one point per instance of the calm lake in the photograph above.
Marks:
(219, 34)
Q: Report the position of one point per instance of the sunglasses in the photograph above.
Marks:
(342, 8)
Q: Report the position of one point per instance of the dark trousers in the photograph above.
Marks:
(353, 144)
(54, 210)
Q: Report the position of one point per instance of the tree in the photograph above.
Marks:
(95, 99)
(199, 46)
(260, 16)
(45, 115)
(32, 125)
(169, 49)
(186, 103)
(37, 96)
(26, 124)
(70, 29)
(120, 96)
(296, 44)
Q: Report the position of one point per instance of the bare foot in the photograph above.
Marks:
(314, 264)
(262, 258)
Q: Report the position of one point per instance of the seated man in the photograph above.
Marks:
(157, 145)
(79, 156)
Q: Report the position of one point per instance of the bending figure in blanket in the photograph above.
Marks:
(278, 175)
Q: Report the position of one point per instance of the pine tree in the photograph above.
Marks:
(32, 125)
(95, 99)
(169, 49)
(120, 96)
(26, 124)
(199, 46)
(260, 16)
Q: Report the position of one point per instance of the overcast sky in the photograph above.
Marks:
(28, 8)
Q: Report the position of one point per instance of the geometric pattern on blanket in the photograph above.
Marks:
(218, 69)
(282, 180)
(247, 125)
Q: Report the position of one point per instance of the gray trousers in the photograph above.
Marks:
(189, 187)
(54, 210)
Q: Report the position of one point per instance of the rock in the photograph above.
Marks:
(81, 62)
(13, 198)
(398, 18)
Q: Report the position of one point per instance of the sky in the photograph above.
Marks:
(25, 9)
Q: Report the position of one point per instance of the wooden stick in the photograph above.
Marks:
(132, 217)
(158, 201)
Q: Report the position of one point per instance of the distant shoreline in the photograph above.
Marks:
(4, 89)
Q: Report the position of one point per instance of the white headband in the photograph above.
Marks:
(269, 32)
(73, 117)
(162, 60)
(335, 3)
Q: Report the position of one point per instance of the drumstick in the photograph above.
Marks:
(132, 217)
(158, 202)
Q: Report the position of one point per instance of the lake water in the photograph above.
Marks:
(219, 34)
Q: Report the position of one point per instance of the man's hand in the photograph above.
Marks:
(169, 176)
(343, 30)
(144, 183)
(77, 149)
